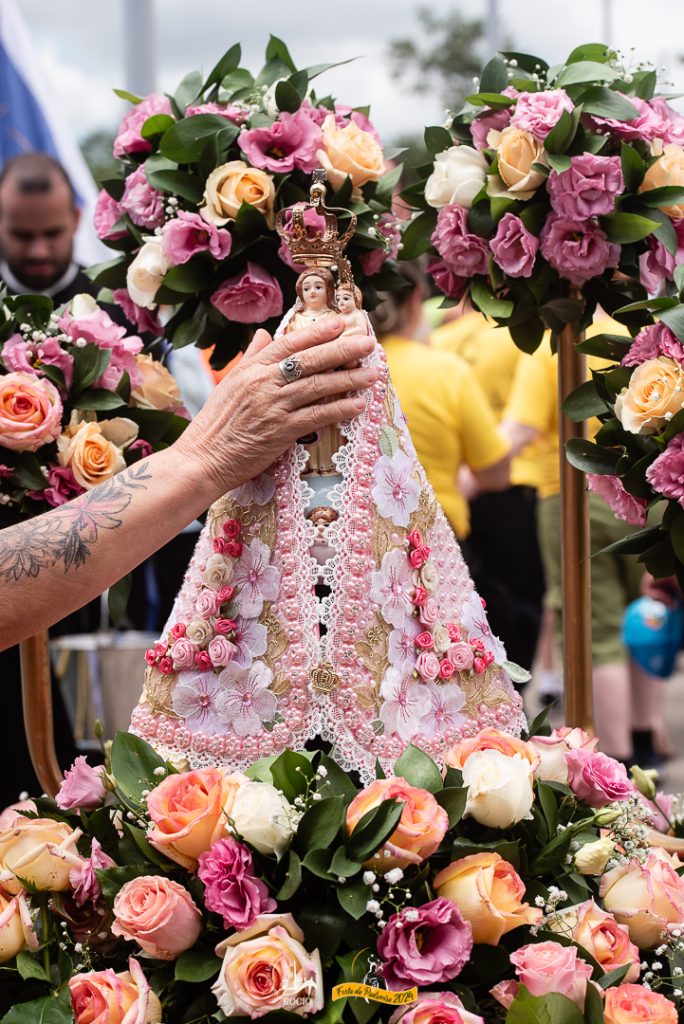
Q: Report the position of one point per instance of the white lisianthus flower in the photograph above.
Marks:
(458, 175)
(145, 274)
(499, 788)
(263, 817)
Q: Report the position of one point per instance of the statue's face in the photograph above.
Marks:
(345, 302)
(313, 292)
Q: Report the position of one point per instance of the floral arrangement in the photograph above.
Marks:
(203, 174)
(518, 885)
(546, 184)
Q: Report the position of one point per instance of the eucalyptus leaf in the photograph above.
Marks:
(416, 237)
(494, 77)
(321, 823)
(454, 802)
(225, 66)
(185, 141)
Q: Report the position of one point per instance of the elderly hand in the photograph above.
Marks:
(255, 414)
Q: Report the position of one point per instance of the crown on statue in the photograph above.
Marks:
(322, 247)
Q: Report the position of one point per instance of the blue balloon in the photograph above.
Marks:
(652, 633)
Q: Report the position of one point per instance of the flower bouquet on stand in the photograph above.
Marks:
(204, 173)
(518, 886)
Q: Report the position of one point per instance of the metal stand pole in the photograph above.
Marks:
(38, 723)
(575, 549)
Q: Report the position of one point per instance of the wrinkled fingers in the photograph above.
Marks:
(321, 386)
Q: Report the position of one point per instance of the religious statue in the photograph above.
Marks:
(350, 305)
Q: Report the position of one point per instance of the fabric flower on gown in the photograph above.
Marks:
(245, 701)
(194, 699)
(405, 710)
(401, 652)
(258, 491)
(446, 704)
(250, 640)
(395, 492)
(257, 580)
(475, 621)
(392, 586)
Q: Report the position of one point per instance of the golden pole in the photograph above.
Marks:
(575, 547)
(38, 722)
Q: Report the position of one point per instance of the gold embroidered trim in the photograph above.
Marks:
(157, 691)
(372, 650)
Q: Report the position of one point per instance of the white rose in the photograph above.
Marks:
(459, 174)
(145, 274)
(499, 788)
(552, 751)
(262, 816)
(592, 858)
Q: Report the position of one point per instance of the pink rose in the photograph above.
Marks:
(552, 750)
(446, 668)
(143, 203)
(178, 630)
(653, 341)
(588, 188)
(231, 887)
(545, 967)
(219, 545)
(429, 612)
(10, 814)
(596, 778)
(577, 250)
(289, 144)
(425, 641)
(235, 112)
(104, 997)
(427, 666)
(603, 938)
(63, 486)
(207, 604)
(449, 283)
(105, 215)
(129, 139)
(672, 120)
(158, 914)
(453, 632)
(514, 247)
(435, 1008)
(142, 319)
(466, 254)
(83, 880)
(183, 654)
(165, 666)
(221, 651)
(250, 297)
(422, 826)
(539, 112)
(622, 503)
(461, 655)
(419, 596)
(30, 412)
(85, 319)
(188, 234)
(648, 897)
(82, 787)
(424, 945)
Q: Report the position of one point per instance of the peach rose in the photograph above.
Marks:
(30, 412)
(158, 914)
(491, 739)
(265, 967)
(667, 171)
(654, 395)
(648, 897)
(16, 927)
(517, 150)
(189, 812)
(94, 451)
(104, 997)
(607, 941)
(552, 750)
(350, 151)
(635, 1004)
(422, 826)
(39, 851)
(158, 388)
(488, 891)
(231, 185)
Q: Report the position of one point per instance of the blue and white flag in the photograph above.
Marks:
(30, 120)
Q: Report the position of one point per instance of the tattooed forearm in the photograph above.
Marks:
(68, 534)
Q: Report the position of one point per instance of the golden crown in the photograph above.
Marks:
(322, 247)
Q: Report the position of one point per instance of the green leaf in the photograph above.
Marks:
(188, 331)
(538, 723)
(549, 807)
(156, 125)
(563, 132)
(227, 64)
(185, 141)
(589, 51)
(98, 399)
(131, 97)
(416, 237)
(607, 346)
(321, 823)
(188, 91)
(604, 102)
(148, 851)
(49, 1010)
(353, 897)
(189, 278)
(552, 854)
(635, 543)
(318, 863)
(678, 280)
(111, 273)
(196, 965)
(559, 312)
(389, 442)
(664, 302)
(677, 537)
(453, 801)
(516, 673)
(593, 1005)
(612, 978)
(644, 84)
(117, 597)
(337, 782)
(277, 50)
(418, 769)
(590, 458)
(287, 98)
(674, 318)
(90, 362)
(437, 139)
(342, 866)
(290, 772)
(486, 301)
(387, 184)
(29, 967)
(373, 829)
(494, 77)
(179, 183)
(133, 766)
(495, 100)
(28, 473)
(559, 161)
(624, 228)
(669, 195)
(633, 167)
(293, 876)
(583, 71)
(583, 403)
(528, 334)
(112, 879)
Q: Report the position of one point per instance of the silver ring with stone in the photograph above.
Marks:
(291, 369)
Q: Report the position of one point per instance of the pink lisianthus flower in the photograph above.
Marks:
(577, 250)
(143, 446)
(666, 473)
(539, 112)
(231, 887)
(596, 778)
(63, 486)
(656, 266)
(250, 297)
(21, 356)
(105, 215)
(624, 505)
(653, 341)
(188, 234)
(235, 112)
(588, 188)
(514, 247)
(142, 319)
(289, 144)
(647, 125)
(83, 880)
(465, 254)
(449, 283)
(672, 120)
(424, 945)
(129, 139)
(83, 788)
(143, 203)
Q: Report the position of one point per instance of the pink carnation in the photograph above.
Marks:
(588, 188)
(666, 473)
(623, 504)
(250, 297)
(539, 112)
(465, 254)
(597, 779)
(235, 112)
(449, 283)
(289, 144)
(231, 886)
(424, 945)
(189, 234)
(143, 203)
(653, 341)
(577, 251)
(83, 880)
(142, 319)
(514, 247)
(129, 139)
(647, 125)
(105, 215)
(82, 787)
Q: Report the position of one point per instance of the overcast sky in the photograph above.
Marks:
(81, 45)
